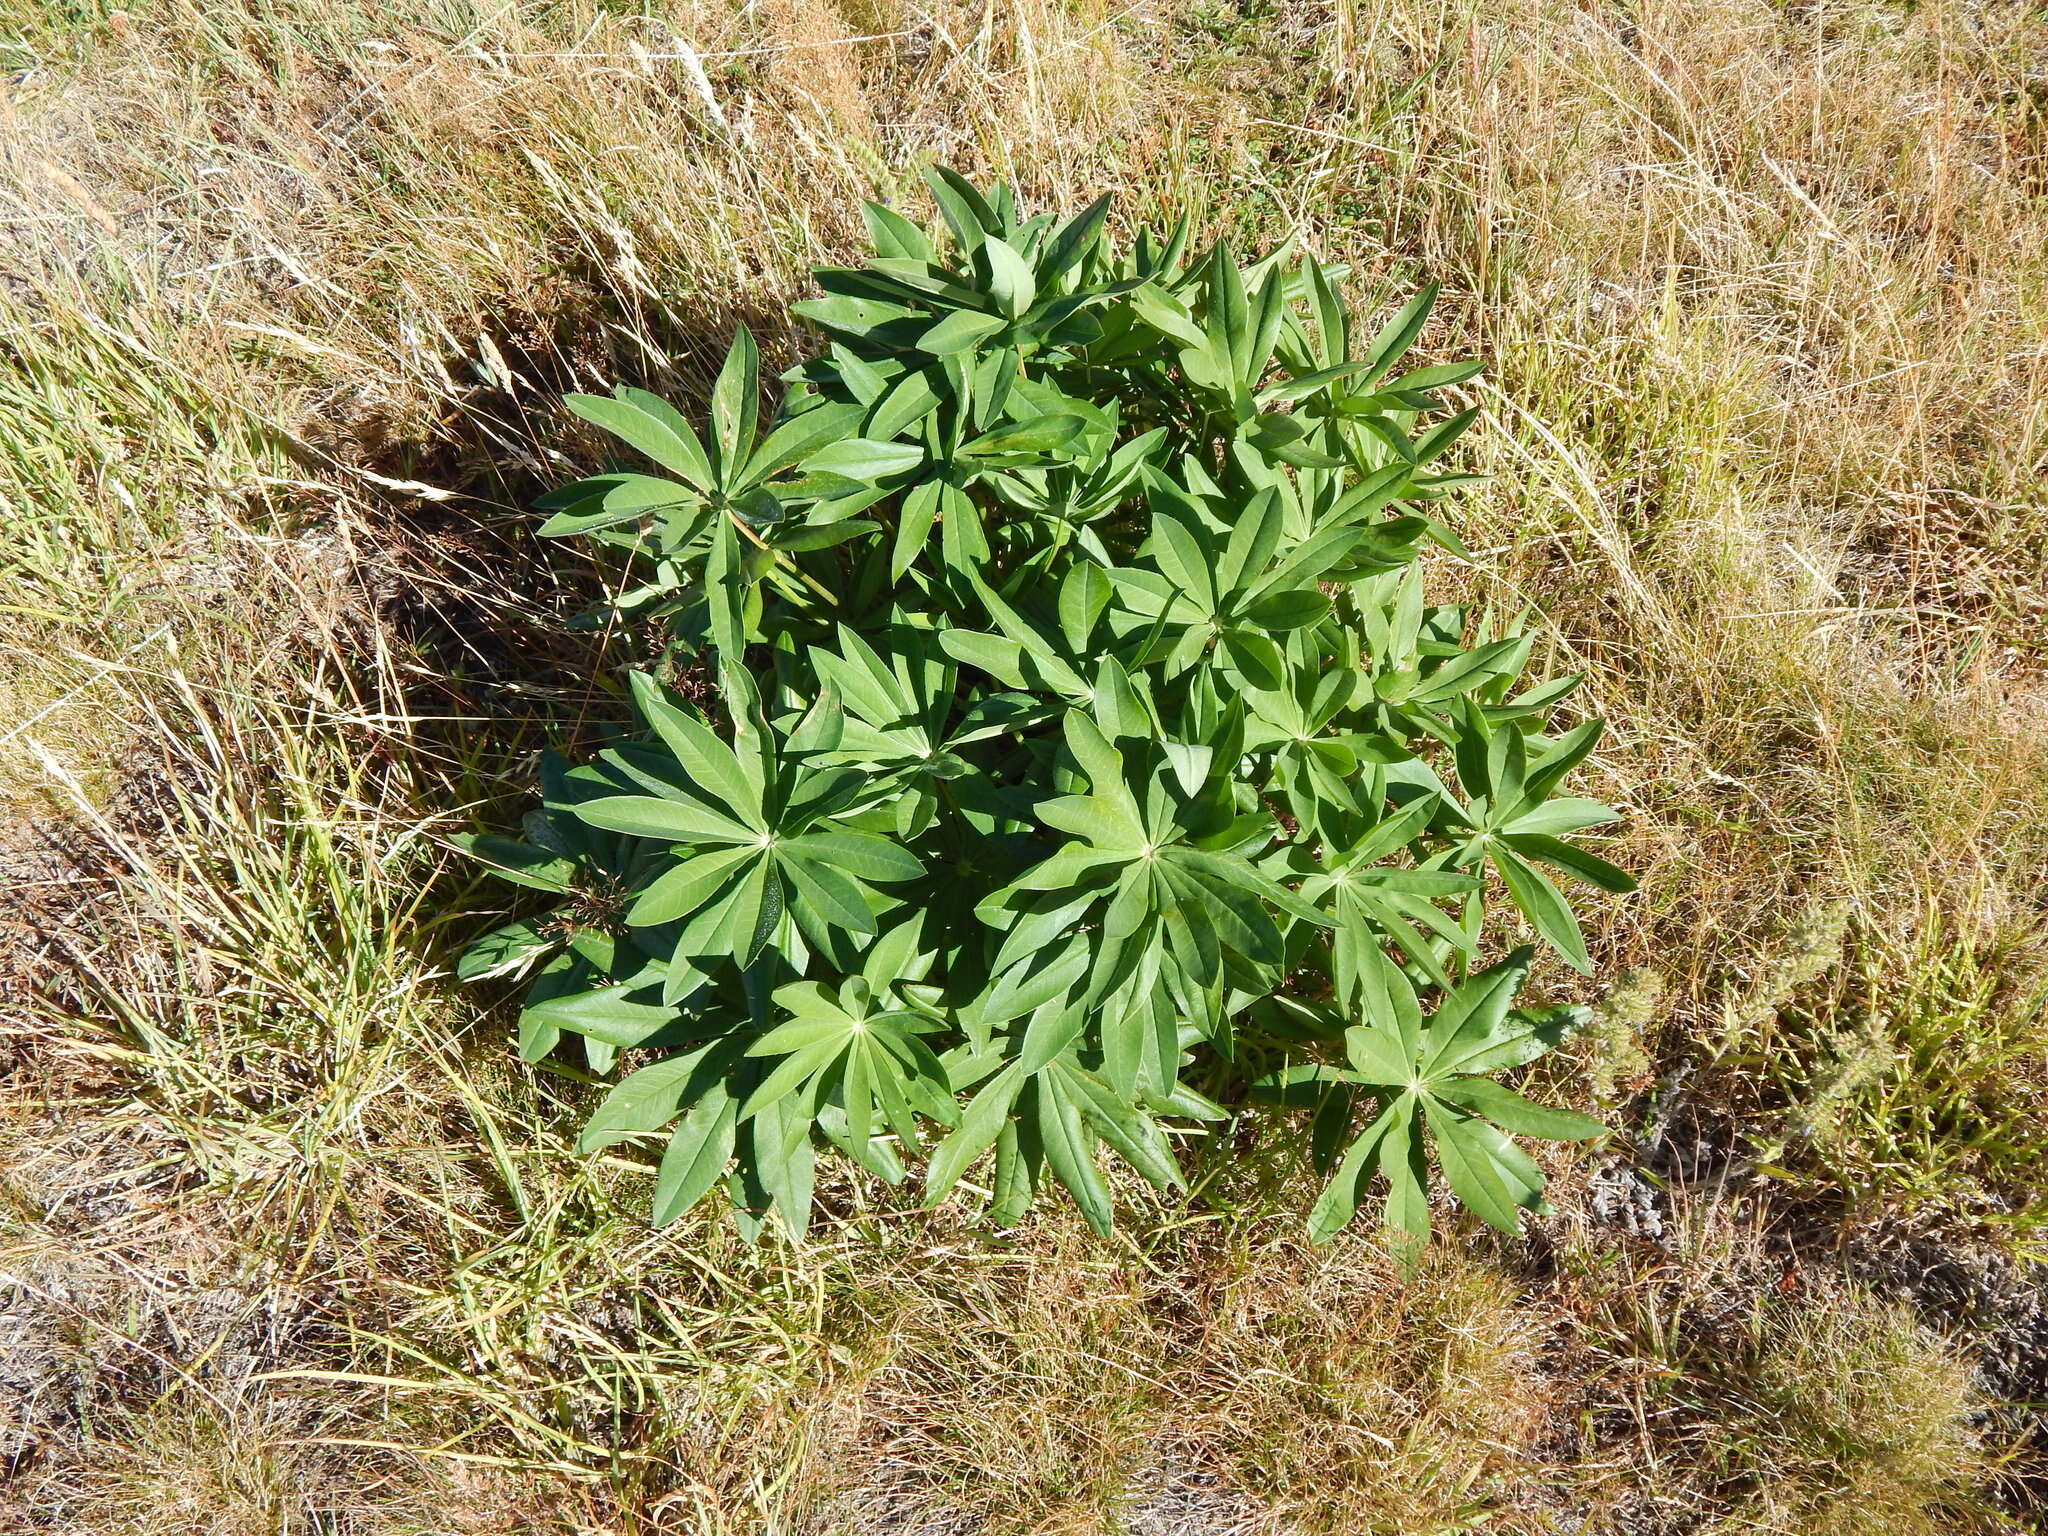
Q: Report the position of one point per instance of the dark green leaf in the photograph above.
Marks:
(517, 862)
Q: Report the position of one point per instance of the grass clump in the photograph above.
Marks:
(1913, 1082)
(1765, 1393)
(1353, 1405)
(1862, 1422)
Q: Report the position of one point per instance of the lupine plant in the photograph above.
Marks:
(1082, 759)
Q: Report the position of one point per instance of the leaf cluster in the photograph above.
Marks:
(1084, 759)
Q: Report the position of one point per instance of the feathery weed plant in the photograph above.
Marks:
(1084, 754)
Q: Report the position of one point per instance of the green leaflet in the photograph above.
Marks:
(1047, 721)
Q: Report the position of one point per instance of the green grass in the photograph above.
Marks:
(1911, 1078)
(286, 314)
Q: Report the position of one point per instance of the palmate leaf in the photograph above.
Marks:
(1505, 815)
(1426, 1069)
(758, 835)
(1059, 732)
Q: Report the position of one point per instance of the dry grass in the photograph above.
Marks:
(1768, 1395)
(287, 291)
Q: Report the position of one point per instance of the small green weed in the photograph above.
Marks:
(1916, 1084)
